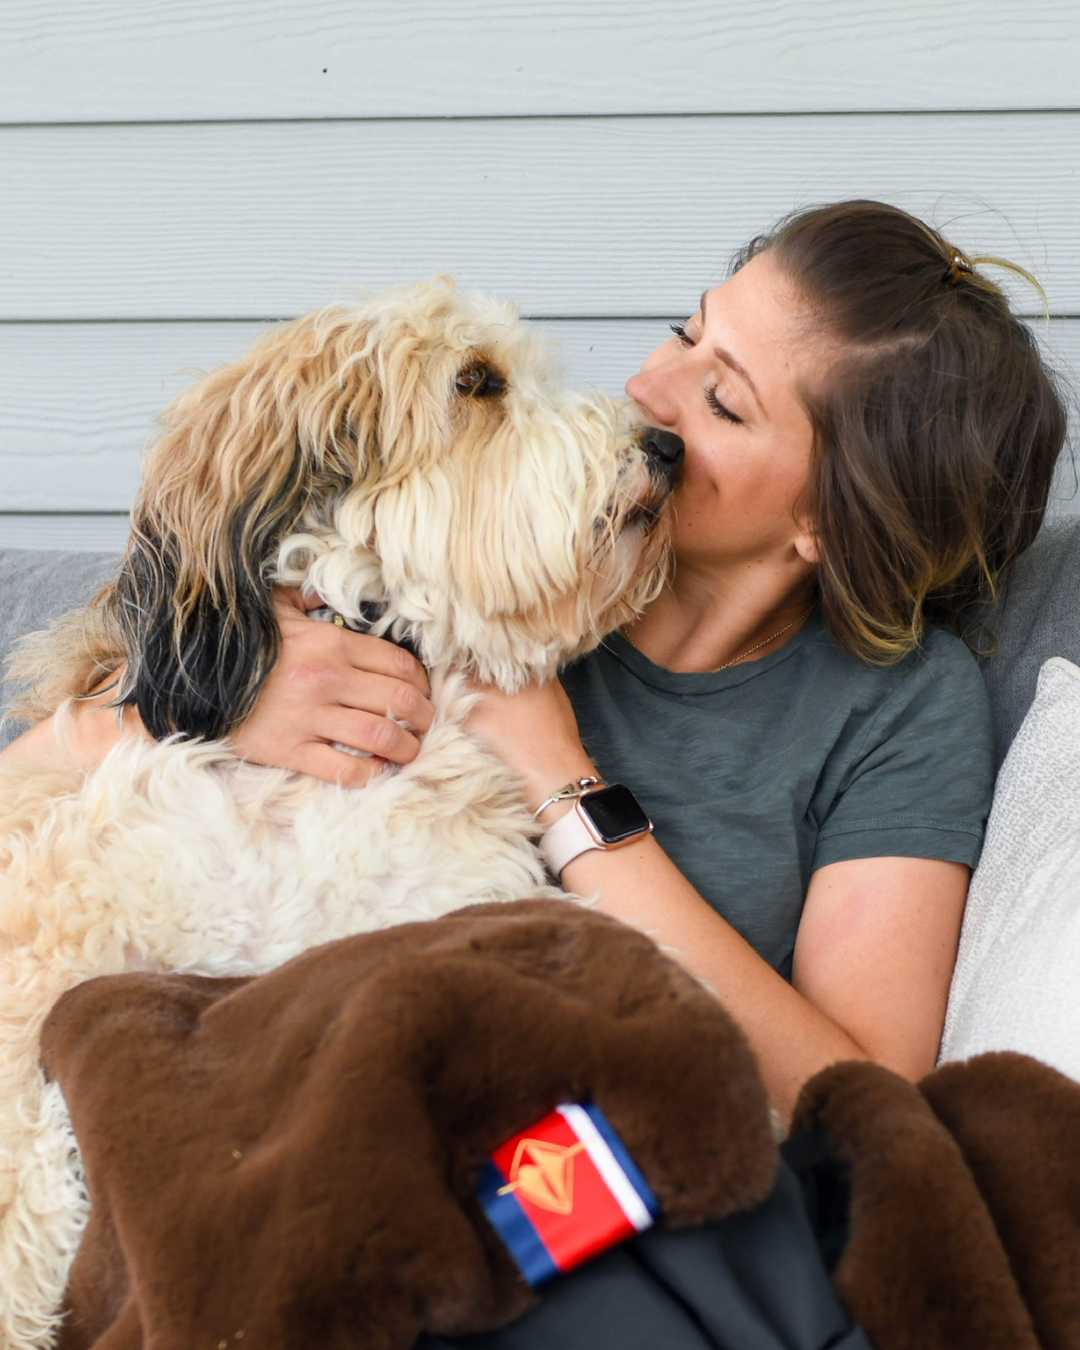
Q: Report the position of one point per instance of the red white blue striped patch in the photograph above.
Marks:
(563, 1190)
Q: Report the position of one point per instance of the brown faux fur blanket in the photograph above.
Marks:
(965, 1202)
(289, 1161)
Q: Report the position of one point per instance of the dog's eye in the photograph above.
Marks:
(479, 381)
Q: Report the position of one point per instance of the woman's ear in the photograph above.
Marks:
(806, 544)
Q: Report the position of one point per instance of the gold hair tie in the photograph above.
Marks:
(958, 267)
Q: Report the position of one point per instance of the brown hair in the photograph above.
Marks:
(936, 429)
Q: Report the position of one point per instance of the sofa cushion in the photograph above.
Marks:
(1015, 985)
(38, 586)
(1038, 618)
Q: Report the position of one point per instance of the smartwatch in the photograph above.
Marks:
(605, 817)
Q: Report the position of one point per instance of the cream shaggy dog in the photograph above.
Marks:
(411, 463)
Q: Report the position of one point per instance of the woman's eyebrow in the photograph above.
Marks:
(724, 355)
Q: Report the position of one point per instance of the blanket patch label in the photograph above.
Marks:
(563, 1190)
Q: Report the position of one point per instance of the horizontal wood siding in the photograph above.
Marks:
(597, 218)
(115, 60)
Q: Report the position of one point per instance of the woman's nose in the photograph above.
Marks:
(651, 391)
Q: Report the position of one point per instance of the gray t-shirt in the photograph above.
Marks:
(757, 775)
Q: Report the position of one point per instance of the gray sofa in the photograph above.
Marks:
(1038, 618)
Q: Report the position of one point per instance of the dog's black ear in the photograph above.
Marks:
(197, 613)
(197, 660)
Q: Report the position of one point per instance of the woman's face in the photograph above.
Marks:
(727, 384)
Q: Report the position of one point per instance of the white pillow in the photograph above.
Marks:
(1017, 979)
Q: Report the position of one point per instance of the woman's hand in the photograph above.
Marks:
(328, 685)
(534, 732)
(331, 687)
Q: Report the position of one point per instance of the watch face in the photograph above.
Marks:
(615, 813)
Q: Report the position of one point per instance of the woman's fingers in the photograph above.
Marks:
(355, 673)
(368, 734)
(319, 760)
(333, 691)
(377, 656)
(366, 692)
(317, 651)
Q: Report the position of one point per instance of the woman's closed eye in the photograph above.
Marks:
(718, 408)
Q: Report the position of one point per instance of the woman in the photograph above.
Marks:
(870, 439)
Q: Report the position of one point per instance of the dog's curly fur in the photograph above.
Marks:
(412, 453)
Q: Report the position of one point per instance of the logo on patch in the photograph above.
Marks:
(544, 1173)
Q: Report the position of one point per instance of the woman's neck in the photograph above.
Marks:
(709, 618)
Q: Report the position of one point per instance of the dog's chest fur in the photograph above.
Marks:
(179, 857)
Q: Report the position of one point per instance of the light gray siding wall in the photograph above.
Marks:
(175, 175)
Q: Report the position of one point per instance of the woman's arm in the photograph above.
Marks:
(875, 946)
(78, 741)
(873, 958)
(329, 685)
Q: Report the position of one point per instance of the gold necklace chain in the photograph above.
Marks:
(758, 645)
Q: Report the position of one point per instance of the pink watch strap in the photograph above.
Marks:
(565, 840)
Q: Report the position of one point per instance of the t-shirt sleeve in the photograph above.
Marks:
(921, 782)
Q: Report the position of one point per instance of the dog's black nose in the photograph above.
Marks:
(665, 451)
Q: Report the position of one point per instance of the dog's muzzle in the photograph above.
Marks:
(664, 452)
